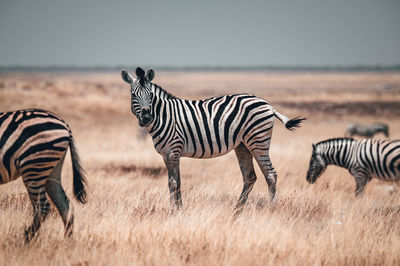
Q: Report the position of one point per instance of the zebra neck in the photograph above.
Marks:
(161, 93)
(160, 103)
(164, 119)
(339, 154)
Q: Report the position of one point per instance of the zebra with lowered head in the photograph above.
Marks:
(33, 144)
(206, 129)
(367, 131)
(364, 159)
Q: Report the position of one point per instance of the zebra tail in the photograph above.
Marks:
(290, 124)
(294, 122)
(79, 181)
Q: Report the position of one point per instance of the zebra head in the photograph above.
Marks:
(351, 130)
(317, 165)
(141, 95)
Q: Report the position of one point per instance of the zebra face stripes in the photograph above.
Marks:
(207, 128)
(141, 95)
(33, 144)
(364, 159)
(317, 166)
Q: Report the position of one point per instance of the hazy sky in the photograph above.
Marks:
(195, 33)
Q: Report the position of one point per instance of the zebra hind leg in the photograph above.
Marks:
(245, 160)
(269, 172)
(57, 195)
(41, 208)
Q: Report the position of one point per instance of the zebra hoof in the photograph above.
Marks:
(68, 232)
(29, 234)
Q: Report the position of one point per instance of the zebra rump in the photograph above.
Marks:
(33, 144)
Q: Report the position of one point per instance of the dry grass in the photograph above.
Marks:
(127, 219)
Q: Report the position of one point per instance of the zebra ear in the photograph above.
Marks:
(126, 77)
(150, 74)
(140, 72)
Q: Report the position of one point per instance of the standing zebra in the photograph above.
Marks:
(366, 130)
(206, 129)
(33, 144)
(363, 158)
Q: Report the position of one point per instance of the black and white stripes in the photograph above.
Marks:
(363, 158)
(206, 128)
(33, 144)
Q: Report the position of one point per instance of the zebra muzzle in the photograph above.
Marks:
(145, 118)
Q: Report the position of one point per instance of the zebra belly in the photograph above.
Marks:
(392, 177)
(395, 177)
(5, 177)
(207, 152)
(5, 180)
(390, 172)
(206, 155)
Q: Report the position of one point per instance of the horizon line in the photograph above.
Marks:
(298, 67)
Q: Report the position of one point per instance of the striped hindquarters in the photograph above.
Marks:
(32, 143)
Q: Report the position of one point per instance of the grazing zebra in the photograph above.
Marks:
(363, 158)
(33, 144)
(206, 129)
(366, 130)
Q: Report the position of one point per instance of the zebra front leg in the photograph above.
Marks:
(361, 178)
(245, 160)
(360, 185)
(41, 208)
(174, 181)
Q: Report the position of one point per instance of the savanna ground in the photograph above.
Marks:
(127, 219)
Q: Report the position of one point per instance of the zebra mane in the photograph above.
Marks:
(163, 93)
(334, 140)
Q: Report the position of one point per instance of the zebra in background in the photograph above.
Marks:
(366, 130)
(33, 144)
(363, 158)
(206, 129)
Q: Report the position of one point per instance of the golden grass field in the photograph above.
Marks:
(127, 220)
